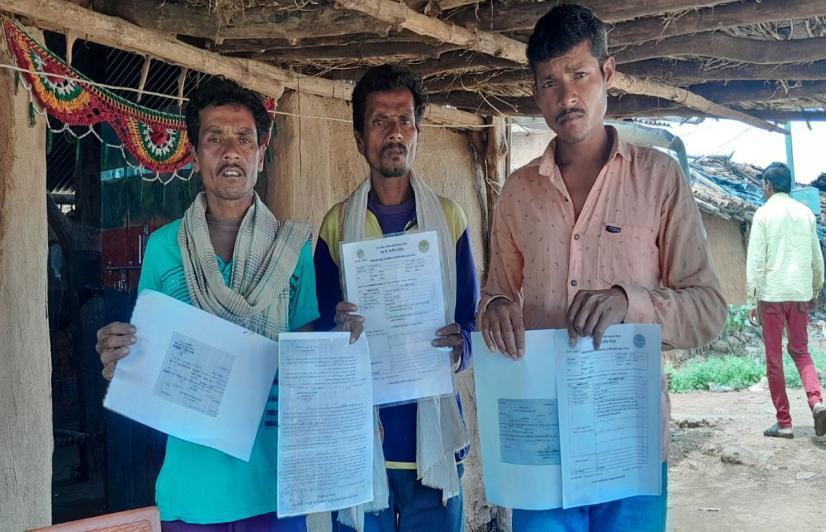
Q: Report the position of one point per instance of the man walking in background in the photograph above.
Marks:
(785, 274)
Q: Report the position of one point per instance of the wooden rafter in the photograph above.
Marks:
(724, 46)
(759, 91)
(253, 23)
(714, 18)
(61, 15)
(232, 46)
(686, 72)
(400, 15)
(481, 79)
(393, 52)
(514, 17)
(626, 106)
(642, 106)
(459, 62)
(501, 46)
(444, 5)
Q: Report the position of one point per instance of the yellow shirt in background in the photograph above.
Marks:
(784, 259)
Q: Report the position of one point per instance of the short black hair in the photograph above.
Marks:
(387, 78)
(219, 91)
(562, 29)
(779, 176)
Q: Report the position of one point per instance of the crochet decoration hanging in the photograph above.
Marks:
(157, 141)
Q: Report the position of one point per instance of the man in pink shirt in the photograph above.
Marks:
(594, 233)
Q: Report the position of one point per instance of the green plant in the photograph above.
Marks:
(731, 372)
(738, 318)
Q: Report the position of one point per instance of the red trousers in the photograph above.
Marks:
(794, 317)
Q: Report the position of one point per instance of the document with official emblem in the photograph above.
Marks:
(194, 376)
(396, 282)
(567, 425)
(325, 423)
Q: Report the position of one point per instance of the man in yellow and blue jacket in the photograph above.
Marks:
(388, 105)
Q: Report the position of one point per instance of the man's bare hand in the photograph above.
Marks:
(113, 344)
(593, 311)
(346, 321)
(451, 336)
(503, 329)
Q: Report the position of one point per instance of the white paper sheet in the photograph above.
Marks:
(609, 416)
(194, 376)
(325, 423)
(567, 426)
(518, 428)
(396, 282)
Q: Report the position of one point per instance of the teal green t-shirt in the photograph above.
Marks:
(198, 484)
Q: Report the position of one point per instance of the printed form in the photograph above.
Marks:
(325, 423)
(609, 415)
(396, 282)
(567, 425)
(516, 407)
(194, 376)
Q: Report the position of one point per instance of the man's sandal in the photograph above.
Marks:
(776, 431)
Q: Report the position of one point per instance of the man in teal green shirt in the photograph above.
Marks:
(229, 256)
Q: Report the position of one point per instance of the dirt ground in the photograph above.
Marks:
(778, 484)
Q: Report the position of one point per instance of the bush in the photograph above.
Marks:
(731, 373)
(738, 318)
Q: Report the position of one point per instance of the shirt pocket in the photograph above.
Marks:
(628, 255)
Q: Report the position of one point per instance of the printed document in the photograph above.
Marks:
(567, 425)
(396, 282)
(194, 376)
(325, 423)
(609, 416)
(516, 407)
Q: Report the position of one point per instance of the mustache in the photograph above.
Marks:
(230, 165)
(568, 112)
(394, 146)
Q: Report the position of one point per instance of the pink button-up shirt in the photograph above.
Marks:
(639, 229)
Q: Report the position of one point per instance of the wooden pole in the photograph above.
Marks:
(25, 363)
(723, 46)
(61, 15)
(399, 15)
(147, 61)
(632, 85)
(500, 46)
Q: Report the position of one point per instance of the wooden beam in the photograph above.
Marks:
(253, 23)
(500, 46)
(688, 72)
(720, 45)
(688, 99)
(517, 16)
(232, 46)
(488, 105)
(388, 52)
(479, 80)
(400, 15)
(758, 91)
(490, 153)
(626, 106)
(714, 18)
(113, 32)
(642, 107)
(445, 5)
(459, 62)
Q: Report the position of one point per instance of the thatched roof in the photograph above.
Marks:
(766, 58)
(732, 190)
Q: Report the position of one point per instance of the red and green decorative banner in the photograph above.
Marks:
(156, 140)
